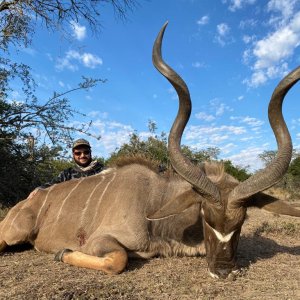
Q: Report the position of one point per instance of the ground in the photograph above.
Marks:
(269, 254)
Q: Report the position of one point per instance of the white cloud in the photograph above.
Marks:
(249, 138)
(276, 47)
(253, 122)
(222, 36)
(203, 20)
(200, 132)
(238, 4)
(86, 59)
(98, 114)
(113, 134)
(218, 138)
(224, 137)
(198, 64)
(228, 148)
(219, 107)
(205, 117)
(248, 157)
(79, 32)
(247, 39)
(223, 29)
(257, 78)
(284, 7)
(271, 53)
(250, 23)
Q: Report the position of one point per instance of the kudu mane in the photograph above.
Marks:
(214, 170)
(126, 160)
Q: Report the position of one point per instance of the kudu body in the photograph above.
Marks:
(97, 222)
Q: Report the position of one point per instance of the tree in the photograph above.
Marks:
(294, 168)
(19, 174)
(293, 175)
(48, 119)
(26, 164)
(18, 17)
(155, 147)
(291, 180)
(237, 172)
(267, 156)
(18, 20)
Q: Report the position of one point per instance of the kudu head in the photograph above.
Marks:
(224, 199)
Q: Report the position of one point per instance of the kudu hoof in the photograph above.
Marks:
(60, 254)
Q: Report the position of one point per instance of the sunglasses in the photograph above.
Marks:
(78, 153)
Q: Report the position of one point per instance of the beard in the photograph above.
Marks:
(83, 164)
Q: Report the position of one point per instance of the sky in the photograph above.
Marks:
(231, 54)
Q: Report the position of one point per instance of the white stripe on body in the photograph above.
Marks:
(101, 197)
(66, 198)
(13, 220)
(88, 202)
(46, 198)
(11, 211)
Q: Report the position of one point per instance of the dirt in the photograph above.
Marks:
(268, 253)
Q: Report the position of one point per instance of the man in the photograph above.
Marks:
(84, 165)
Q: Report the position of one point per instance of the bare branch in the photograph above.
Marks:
(18, 18)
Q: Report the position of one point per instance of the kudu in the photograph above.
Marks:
(131, 209)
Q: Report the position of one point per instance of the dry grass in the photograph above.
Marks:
(269, 252)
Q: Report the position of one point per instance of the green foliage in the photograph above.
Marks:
(20, 173)
(26, 161)
(294, 168)
(291, 180)
(153, 148)
(211, 153)
(239, 173)
(293, 177)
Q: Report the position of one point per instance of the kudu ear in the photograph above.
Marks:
(176, 205)
(273, 204)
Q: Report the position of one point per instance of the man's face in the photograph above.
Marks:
(82, 156)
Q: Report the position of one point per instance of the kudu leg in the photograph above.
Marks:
(107, 256)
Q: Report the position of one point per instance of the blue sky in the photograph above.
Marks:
(231, 54)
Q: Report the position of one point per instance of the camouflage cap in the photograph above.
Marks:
(81, 142)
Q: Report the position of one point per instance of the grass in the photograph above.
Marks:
(286, 228)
